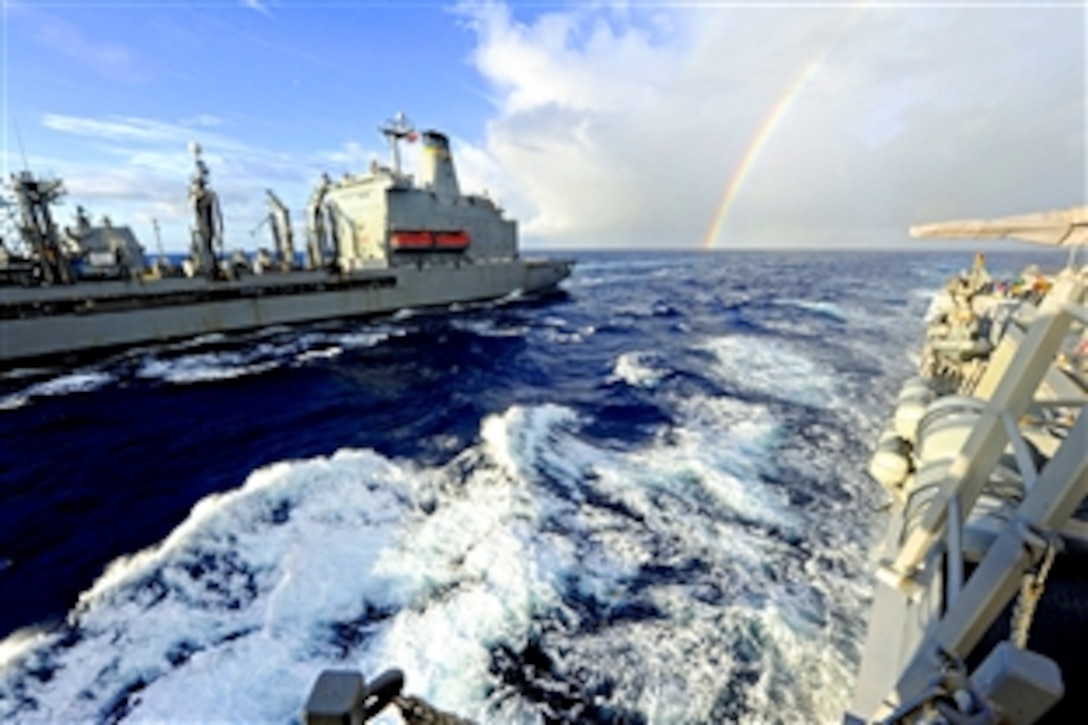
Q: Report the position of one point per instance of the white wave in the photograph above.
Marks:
(276, 352)
(488, 327)
(360, 561)
(13, 401)
(198, 341)
(823, 307)
(773, 367)
(17, 373)
(242, 591)
(204, 367)
(18, 645)
(560, 332)
(320, 346)
(326, 353)
(511, 297)
(655, 308)
(590, 280)
(371, 338)
(77, 382)
(638, 369)
(68, 384)
(564, 337)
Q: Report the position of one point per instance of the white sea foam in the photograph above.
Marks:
(488, 327)
(595, 273)
(242, 589)
(321, 354)
(257, 359)
(13, 401)
(203, 367)
(512, 297)
(367, 339)
(68, 384)
(638, 369)
(198, 341)
(821, 306)
(773, 367)
(360, 561)
(77, 382)
(17, 373)
(565, 337)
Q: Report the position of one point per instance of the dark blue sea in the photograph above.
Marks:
(640, 499)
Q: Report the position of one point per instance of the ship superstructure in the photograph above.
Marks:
(387, 218)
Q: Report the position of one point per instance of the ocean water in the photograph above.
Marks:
(640, 499)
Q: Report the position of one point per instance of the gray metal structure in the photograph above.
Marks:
(283, 237)
(376, 243)
(987, 466)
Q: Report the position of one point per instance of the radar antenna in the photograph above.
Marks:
(22, 151)
(395, 130)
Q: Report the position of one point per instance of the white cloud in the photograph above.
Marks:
(625, 126)
(141, 170)
(116, 128)
(203, 120)
(352, 155)
(258, 6)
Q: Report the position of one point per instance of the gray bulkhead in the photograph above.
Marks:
(492, 237)
(358, 211)
(368, 211)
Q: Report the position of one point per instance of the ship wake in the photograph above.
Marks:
(500, 582)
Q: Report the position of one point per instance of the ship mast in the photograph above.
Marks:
(395, 130)
(207, 216)
(38, 231)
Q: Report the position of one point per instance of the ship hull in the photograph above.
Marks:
(60, 322)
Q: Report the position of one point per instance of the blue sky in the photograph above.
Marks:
(279, 89)
(269, 70)
(596, 124)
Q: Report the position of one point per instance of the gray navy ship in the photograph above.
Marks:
(375, 243)
(979, 612)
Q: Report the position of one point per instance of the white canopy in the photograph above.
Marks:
(1062, 227)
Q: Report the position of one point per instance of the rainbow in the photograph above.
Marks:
(770, 123)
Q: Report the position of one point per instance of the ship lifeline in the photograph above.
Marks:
(376, 243)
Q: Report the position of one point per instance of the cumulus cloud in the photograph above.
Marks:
(619, 125)
(616, 125)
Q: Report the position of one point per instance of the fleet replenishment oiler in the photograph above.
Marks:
(376, 243)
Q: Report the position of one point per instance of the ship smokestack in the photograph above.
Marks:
(438, 173)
